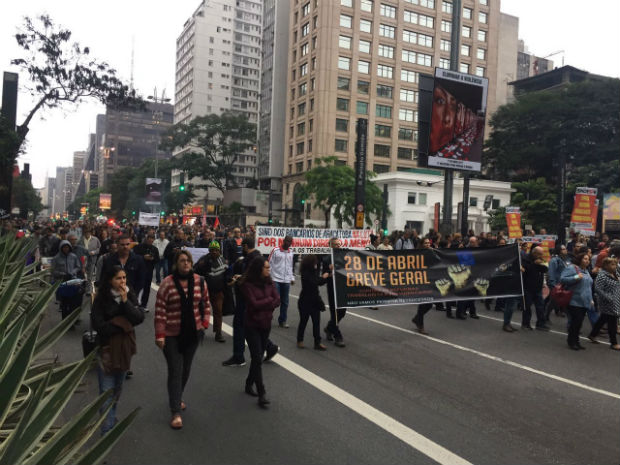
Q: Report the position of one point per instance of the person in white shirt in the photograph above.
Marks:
(281, 262)
(161, 242)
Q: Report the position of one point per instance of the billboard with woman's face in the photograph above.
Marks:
(457, 120)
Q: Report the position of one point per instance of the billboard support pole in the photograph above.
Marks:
(448, 185)
(360, 172)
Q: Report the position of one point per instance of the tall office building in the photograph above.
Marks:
(63, 189)
(218, 68)
(351, 59)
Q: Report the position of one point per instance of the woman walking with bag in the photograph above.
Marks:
(607, 288)
(578, 279)
(114, 314)
(310, 303)
(261, 298)
(181, 315)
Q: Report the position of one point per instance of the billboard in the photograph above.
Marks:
(153, 191)
(105, 201)
(611, 212)
(458, 112)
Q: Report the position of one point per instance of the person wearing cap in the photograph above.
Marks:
(213, 268)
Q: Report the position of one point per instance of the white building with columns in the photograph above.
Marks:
(412, 197)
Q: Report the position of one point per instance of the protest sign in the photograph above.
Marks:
(310, 240)
(148, 219)
(585, 211)
(365, 278)
(513, 220)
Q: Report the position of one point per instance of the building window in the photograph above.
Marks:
(417, 58)
(384, 91)
(481, 54)
(362, 108)
(421, 20)
(346, 21)
(365, 26)
(446, 7)
(382, 150)
(342, 125)
(444, 63)
(300, 148)
(364, 46)
(408, 95)
(303, 50)
(406, 153)
(305, 29)
(385, 71)
(405, 133)
(495, 204)
(411, 198)
(301, 109)
(344, 83)
(301, 129)
(383, 131)
(408, 76)
(341, 145)
(466, 31)
(363, 87)
(380, 168)
(444, 45)
(482, 17)
(479, 71)
(303, 88)
(344, 63)
(473, 201)
(310, 145)
(482, 35)
(464, 68)
(467, 13)
(387, 11)
(383, 111)
(484, 2)
(344, 42)
(347, 3)
(387, 31)
(386, 51)
(342, 104)
(363, 67)
(465, 50)
(417, 38)
(366, 5)
(405, 114)
(303, 70)
(446, 26)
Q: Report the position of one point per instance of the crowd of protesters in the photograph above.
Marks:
(233, 278)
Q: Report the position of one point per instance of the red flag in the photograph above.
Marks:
(217, 222)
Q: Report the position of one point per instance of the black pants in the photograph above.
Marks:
(335, 317)
(576, 319)
(68, 304)
(146, 289)
(423, 309)
(462, 306)
(257, 343)
(179, 366)
(612, 327)
(304, 315)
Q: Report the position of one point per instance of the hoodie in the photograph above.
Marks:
(66, 266)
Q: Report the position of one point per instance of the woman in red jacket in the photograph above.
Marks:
(261, 299)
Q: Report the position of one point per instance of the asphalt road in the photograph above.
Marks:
(468, 392)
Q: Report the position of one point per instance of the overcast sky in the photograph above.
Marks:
(587, 31)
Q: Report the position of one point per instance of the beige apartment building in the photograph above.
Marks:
(351, 59)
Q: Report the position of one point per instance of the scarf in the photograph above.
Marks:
(188, 335)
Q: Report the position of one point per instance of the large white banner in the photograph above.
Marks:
(148, 219)
(310, 240)
(197, 252)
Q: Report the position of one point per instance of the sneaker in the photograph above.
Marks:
(300, 345)
(271, 352)
(474, 316)
(233, 362)
(339, 343)
(219, 338)
(283, 325)
(319, 346)
(508, 328)
(526, 326)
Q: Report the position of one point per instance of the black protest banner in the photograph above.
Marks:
(365, 278)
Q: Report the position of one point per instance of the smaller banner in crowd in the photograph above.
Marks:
(364, 278)
(105, 201)
(148, 219)
(546, 242)
(611, 212)
(310, 240)
(585, 210)
(197, 252)
(513, 220)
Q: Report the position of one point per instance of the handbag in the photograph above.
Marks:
(561, 295)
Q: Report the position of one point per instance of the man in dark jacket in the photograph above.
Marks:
(174, 246)
(48, 244)
(67, 266)
(233, 248)
(215, 272)
(150, 255)
(534, 269)
(132, 263)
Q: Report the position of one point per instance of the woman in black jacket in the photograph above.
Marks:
(310, 303)
(114, 314)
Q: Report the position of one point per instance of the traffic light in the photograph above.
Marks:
(303, 201)
(182, 187)
(163, 213)
(385, 232)
(270, 220)
(182, 182)
(133, 213)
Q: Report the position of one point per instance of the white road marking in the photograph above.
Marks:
(402, 432)
(487, 356)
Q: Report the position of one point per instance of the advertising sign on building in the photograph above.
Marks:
(457, 120)
(611, 212)
(105, 201)
(153, 191)
(310, 240)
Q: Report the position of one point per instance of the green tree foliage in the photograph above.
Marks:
(91, 198)
(59, 72)
(26, 197)
(214, 144)
(332, 185)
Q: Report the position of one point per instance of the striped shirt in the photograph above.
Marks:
(168, 308)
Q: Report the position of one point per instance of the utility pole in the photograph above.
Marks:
(446, 224)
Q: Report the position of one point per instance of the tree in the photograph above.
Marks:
(214, 144)
(59, 72)
(332, 185)
(91, 198)
(26, 197)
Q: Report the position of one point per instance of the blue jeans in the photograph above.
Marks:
(283, 289)
(110, 381)
(509, 304)
(162, 264)
(593, 316)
